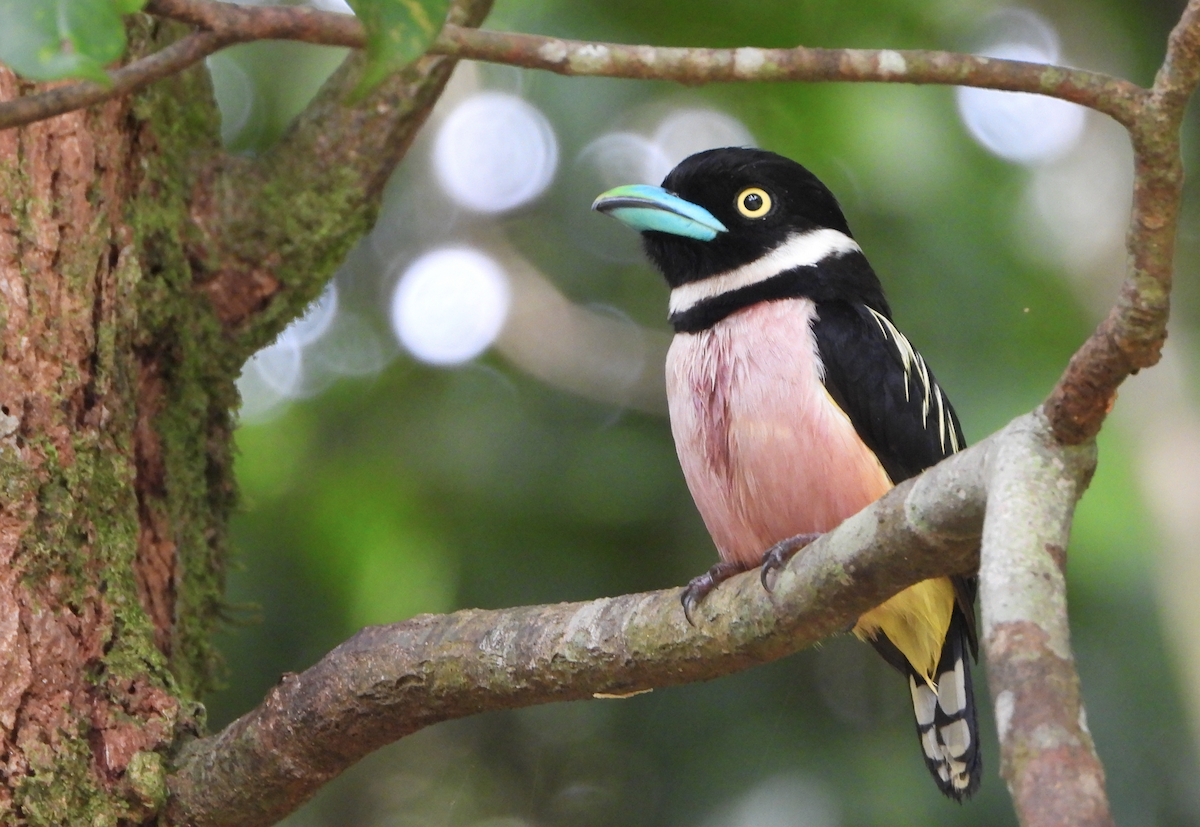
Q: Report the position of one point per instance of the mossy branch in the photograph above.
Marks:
(276, 227)
(390, 681)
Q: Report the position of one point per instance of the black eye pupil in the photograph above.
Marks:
(753, 202)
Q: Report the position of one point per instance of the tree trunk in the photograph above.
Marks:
(116, 386)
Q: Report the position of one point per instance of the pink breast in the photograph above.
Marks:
(766, 452)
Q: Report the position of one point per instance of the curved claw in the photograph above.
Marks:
(692, 594)
(699, 587)
(778, 555)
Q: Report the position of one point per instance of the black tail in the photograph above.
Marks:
(946, 721)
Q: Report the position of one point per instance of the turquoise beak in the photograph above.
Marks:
(653, 208)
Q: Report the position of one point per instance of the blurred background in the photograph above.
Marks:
(473, 413)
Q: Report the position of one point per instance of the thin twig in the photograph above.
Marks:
(300, 23)
(61, 99)
(1180, 72)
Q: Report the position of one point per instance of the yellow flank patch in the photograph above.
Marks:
(916, 621)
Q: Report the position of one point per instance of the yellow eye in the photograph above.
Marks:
(753, 202)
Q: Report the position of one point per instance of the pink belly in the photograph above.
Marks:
(765, 450)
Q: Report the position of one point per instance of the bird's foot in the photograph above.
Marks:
(699, 587)
(777, 556)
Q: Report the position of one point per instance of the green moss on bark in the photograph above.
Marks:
(60, 788)
(179, 339)
(60, 782)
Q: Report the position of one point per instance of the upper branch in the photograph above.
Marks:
(232, 23)
(345, 154)
(1113, 96)
(389, 681)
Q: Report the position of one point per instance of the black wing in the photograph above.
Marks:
(884, 386)
(897, 408)
(893, 401)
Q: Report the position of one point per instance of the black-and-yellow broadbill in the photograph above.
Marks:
(795, 402)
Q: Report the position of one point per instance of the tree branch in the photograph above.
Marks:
(300, 23)
(1113, 96)
(389, 681)
(276, 227)
(345, 154)
(1046, 752)
(1180, 72)
(137, 75)
(1132, 335)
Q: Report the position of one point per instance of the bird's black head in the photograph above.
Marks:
(734, 226)
(762, 198)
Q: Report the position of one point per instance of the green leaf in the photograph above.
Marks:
(50, 39)
(398, 32)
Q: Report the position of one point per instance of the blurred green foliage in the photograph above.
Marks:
(64, 39)
(425, 490)
(398, 32)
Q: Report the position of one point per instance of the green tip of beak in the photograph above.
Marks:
(653, 208)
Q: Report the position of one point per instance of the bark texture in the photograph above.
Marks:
(131, 295)
(112, 514)
(1046, 751)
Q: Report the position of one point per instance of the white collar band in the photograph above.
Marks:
(800, 250)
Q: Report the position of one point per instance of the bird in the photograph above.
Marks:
(795, 402)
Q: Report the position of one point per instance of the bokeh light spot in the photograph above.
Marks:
(688, 131)
(1018, 126)
(269, 378)
(348, 348)
(495, 152)
(625, 158)
(785, 801)
(234, 92)
(317, 317)
(450, 305)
